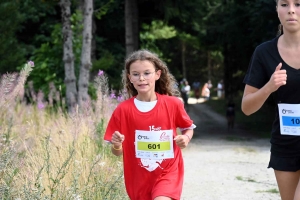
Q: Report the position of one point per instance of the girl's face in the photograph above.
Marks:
(142, 75)
(289, 14)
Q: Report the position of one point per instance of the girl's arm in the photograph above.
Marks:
(117, 150)
(117, 140)
(183, 140)
(254, 98)
(188, 133)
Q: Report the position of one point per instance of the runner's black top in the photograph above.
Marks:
(264, 60)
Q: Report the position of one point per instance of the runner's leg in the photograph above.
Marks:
(297, 193)
(287, 183)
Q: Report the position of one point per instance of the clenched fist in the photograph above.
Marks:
(117, 139)
(182, 141)
(277, 79)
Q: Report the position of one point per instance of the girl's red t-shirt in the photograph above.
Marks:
(148, 178)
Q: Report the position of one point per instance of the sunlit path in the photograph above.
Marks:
(222, 165)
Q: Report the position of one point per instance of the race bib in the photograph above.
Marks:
(154, 144)
(289, 117)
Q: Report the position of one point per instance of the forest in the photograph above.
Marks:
(199, 40)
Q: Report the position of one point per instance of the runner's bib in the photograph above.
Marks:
(154, 144)
(289, 117)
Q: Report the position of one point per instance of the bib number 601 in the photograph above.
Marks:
(153, 146)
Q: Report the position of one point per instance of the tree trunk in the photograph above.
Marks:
(208, 65)
(183, 50)
(94, 29)
(227, 74)
(131, 26)
(83, 82)
(68, 56)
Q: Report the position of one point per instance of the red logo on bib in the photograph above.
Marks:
(164, 137)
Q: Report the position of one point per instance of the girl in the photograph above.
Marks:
(143, 129)
(275, 69)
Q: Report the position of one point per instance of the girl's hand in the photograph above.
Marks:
(117, 139)
(182, 141)
(277, 79)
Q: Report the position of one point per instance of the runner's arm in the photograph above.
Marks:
(189, 133)
(117, 150)
(116, 141)
(254, 98)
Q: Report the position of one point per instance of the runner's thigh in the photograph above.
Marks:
(297, 193)
(287, 183)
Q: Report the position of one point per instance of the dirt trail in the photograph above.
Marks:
(222, 165)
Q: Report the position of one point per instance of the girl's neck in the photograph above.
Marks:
(291, 40)
(147, 97)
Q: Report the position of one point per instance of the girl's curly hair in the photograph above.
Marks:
(166, 84)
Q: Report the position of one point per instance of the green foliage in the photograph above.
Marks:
(228, 32)
(216, 26)
(157, 30)
(48, 58)
(106, 61)
(48, 63)
(155, 33)
(103, 9)
(11, 53)
(92, 91)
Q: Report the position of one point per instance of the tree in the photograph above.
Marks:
(68, 55)
(85, 53)
(131, 26)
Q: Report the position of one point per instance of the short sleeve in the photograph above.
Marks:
(113, 125)
(182, 119)
(256, 75)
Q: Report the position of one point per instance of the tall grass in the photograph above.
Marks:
(46, 154)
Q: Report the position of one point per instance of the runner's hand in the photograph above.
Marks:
(182, 141)
(117, 139)
(277, 79)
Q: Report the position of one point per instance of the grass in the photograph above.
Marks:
(52, 154)
(247, 180)
(274, 191)
(259, 123)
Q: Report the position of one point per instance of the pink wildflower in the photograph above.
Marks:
(41, 105)
(100, 73)
(120, 98)
(31, 63)
(112, 96)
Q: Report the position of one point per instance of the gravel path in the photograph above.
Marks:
(222, 165)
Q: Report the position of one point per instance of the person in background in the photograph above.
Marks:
(143, 129)
(185, 91)
(220, 89)
(205, 93)
(274, 70)
(209, 84)
(230, 113)
(196, 87)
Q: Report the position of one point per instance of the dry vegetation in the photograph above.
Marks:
(46, 153)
